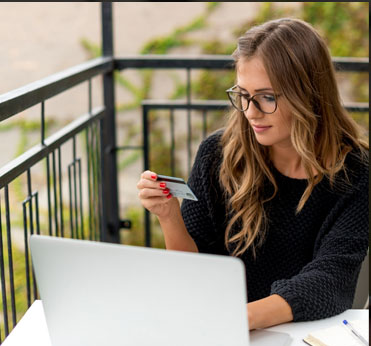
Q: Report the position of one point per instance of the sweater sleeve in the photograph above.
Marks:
(326, 285)
(199, 216)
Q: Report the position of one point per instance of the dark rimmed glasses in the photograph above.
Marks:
(264, 102)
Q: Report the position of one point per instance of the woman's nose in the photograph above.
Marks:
(253, 112)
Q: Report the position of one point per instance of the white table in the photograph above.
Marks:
(32, 330)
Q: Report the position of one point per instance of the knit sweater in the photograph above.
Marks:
(311, 259)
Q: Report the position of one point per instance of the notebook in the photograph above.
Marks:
(338, 335)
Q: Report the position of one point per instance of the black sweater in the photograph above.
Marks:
(311, 259)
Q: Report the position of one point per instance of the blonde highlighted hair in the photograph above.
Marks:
(300, 68)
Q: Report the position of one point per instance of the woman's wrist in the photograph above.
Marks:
(268, 312)
(175, 233)
(173, 212)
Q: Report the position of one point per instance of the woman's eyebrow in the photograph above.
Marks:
(257, 90)
(264, 89)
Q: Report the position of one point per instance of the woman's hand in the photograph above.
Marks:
(154, 195)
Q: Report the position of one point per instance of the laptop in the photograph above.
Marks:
(110, 294)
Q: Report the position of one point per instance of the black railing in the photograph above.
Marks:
(92, 210)
(86, 144)
(202, 106)
(49, 151)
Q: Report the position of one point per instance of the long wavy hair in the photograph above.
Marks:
(300, 68)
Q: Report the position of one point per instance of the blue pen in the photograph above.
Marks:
(359, 336)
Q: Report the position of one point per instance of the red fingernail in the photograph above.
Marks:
(166, 191)
(153, 176)
(162, 185)
(169, 196)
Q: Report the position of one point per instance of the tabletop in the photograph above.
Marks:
(32, 330)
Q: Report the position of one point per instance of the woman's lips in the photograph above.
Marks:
(260, 128)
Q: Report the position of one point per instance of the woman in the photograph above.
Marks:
(284, 186)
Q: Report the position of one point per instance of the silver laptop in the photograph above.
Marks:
(106, 294)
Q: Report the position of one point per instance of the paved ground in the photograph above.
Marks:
(38, 39)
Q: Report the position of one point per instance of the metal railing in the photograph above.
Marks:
(49, 151)
(63, 187)
(97, 130)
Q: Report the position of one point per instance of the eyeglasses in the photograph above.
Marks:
(266, 103)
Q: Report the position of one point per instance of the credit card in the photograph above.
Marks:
(178, 187)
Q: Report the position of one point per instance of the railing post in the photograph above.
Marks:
(110, 231)
(147, 216)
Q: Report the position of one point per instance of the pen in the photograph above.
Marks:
(359, 336)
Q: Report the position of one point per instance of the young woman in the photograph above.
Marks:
(284, 186)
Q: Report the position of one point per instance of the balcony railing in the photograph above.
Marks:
(97, 130)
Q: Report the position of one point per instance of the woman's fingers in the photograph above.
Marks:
(149, 175)
(152, 192)
(148, 181)
(148, 186)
